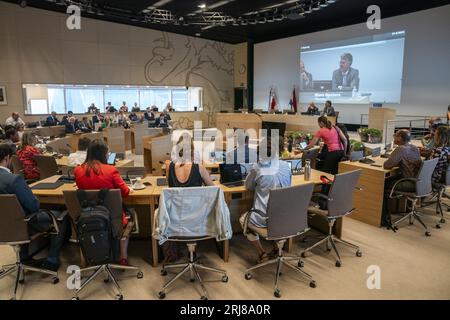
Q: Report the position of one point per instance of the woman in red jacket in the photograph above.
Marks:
(96, 174)
(26, 155)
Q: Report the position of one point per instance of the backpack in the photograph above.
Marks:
(94, 229)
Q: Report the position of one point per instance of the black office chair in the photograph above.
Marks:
(14, 232)
(423, 189)
(113, 202)
(287, 217)
(47, 166)
(339, 203)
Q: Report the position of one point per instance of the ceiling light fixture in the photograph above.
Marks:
(202, 6)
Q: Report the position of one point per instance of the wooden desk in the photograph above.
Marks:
(369, 201)
(63, 162)
(150, 197)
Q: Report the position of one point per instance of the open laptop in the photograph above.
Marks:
(295, 166)
(231, 175)
(302, 145)
(322, 85)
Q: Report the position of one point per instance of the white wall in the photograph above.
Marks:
(37, 47)
(426, 73)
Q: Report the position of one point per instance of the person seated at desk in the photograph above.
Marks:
(110, 108)
(167, 115)
(96, 174)
(149, 115)
(312, 110)
(268, 174)
(15, 184)
(11, 137)
(135, 108)
(92, 108)
(72, 126)
(240, 154)
(440, 150)
(85, 125)
(79, 157)
(161, 121)
(133, 117)
(52, 120)
(428, 140)
(124, 107)
(26, 154)
(183, 173)
(65, 119)
(335, 143)
(407, 157)
(328, 110)
(14, 120)
(97, 117)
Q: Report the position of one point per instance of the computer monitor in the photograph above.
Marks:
(267, 125)
(230, 172)
(322, 85)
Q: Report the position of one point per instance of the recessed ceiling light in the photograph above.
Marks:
(202, 6)
(198, 34)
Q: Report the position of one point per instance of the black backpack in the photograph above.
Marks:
(94, 229)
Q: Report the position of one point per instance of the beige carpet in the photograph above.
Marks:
(412, 267)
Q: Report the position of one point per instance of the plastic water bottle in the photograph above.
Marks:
(307, 170)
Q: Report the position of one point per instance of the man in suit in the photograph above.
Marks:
(161, 121)
(72, 125)
(85, 125)
(14, 184)
(306, 79)
(345, 78)
(52, 120)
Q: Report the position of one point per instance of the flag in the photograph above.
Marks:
(273, 100)
(294, 101)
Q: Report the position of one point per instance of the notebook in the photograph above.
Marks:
(47, 186)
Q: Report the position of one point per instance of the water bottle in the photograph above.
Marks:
(307, 169)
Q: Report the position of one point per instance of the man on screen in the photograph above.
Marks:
(306, 79)
(346, 78)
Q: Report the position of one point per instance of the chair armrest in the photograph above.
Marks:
(401, 180)
(49, 213)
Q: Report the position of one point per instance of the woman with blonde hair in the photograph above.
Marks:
(26, 154)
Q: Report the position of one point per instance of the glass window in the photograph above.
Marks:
(56, 100)
(180, 100)
(38, 106)
(79, 100)
(117, 96)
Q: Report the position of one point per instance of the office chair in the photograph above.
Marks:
(310, 154)
(423, 189)
(176, 208)
(17, 165)
(47, 166)
(439, 193)
(113, 202)
(287, 212)
(14, 232)
(339, 202)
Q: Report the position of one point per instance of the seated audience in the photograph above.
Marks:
(312, 109)
(406, 156)
(135, 108)
(161, 121)
(441, 150)
(65, 119)
(168, 108)
(52, 120)
(149, 115)
(85, 125)
(328, 110)
(15, 184)
(110, 108)
(167, 115)
(72, 126)
(79, 157)
(97, 117)
(14, 120)
(182, 172)
(11, 137)
(92, 108)
(26, 154)
(268, 174)
(124, 107)
(96, 174)
(133, 117)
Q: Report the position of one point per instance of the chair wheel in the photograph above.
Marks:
(438, 226)
(192, 280)
(248, 276)
(300, 264)
(119, 297)
(204, 298)
(140, 275)
(225, 279)
(75, 298)
(359, 253)
(164, 272)
(312, 284)
(55, 280)
(338, 264)
(428, 234)
(395, 228)
(442, 220)
(303, 255)
(161, 294)
(277, 293)
(411, 223)
(106, 280)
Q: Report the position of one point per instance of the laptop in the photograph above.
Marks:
(322, 85)
(231, 175)
(295, 166)
(302, 145)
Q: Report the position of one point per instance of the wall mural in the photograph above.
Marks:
(206, 64)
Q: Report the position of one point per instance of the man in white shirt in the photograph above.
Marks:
(79, 157)
(14, 120)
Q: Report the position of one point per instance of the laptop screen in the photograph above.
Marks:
(230, 172)
(303, 145)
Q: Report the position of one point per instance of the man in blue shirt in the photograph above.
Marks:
(52, 120)
(15, 184)
(268, 174)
